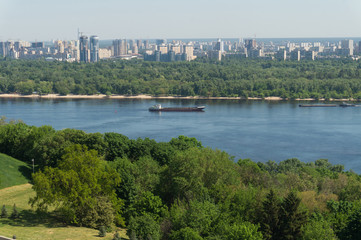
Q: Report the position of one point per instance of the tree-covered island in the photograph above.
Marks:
(244, 78)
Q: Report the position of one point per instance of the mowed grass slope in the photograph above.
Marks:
(16, 189)
(13, 172)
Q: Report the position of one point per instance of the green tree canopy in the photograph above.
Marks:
(82, 188)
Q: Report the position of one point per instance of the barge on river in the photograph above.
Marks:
(317, 105)
(159, 108)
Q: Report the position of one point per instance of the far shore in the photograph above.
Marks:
(145, 96)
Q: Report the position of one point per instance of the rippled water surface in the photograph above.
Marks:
(259, 130)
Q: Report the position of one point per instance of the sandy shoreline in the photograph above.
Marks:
(144, 96)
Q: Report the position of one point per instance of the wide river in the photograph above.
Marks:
(258, 130)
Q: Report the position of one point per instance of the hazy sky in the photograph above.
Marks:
(48, 19)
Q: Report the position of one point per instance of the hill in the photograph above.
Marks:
(13, 172)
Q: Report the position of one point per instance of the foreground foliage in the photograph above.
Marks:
(182, 190)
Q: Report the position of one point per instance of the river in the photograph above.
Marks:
(258, 130)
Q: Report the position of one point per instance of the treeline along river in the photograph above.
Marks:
(258, 130)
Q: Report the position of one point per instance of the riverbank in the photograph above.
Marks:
(144, 96)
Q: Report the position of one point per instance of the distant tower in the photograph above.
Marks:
(83, 48)
(347, 47)
(94, 49)
(146, 44)
(250, 44)
(2, 49)
(139, 44)
(124, 47)
(219, 46)
(119, 47)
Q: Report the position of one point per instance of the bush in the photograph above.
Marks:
(102, 231)
(4, 212)
(117, 236)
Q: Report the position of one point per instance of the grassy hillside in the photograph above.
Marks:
(15, 189)
(33, 226)
(13, 172)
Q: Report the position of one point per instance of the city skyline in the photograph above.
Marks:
(38, 20)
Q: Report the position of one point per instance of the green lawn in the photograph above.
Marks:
(13, 172)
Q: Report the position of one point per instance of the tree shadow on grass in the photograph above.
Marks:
(30, 218)
(26, 171)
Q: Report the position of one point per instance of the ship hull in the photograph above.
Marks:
(177, 110)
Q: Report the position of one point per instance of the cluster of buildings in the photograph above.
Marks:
(87, 49)
(82, 50)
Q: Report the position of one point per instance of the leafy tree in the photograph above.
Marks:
(183, 143)
(82, 188)
(318, 229)
(339, 214)
(150, 205)
(192, 172)
(244, 230)
(25, 88)
(117, 146)
(200, 216)
(353, 229)
(143, 227)
(185, 233)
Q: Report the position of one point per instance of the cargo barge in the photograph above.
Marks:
(317, 105)
(159, 108)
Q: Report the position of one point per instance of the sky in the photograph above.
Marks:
(43, 20)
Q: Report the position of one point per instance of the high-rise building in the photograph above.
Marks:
(146, 44)
(83, 49)
(282, 55)
(59, 45)
(2, 49)
(215, 54)
(188, 50)
(139, 44)
(94, 49)
(135, 49)
(296, 55)
(176, 49)
(163, 49)
(250, 44)
(219, 46)
(310, 55)
(347, 47)
(120, 47)
(104, 53)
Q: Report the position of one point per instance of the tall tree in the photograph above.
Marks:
(291, 218)
(82, 187)
(270, 216)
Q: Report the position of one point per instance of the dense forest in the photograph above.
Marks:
(331, 78)
(181, 189)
